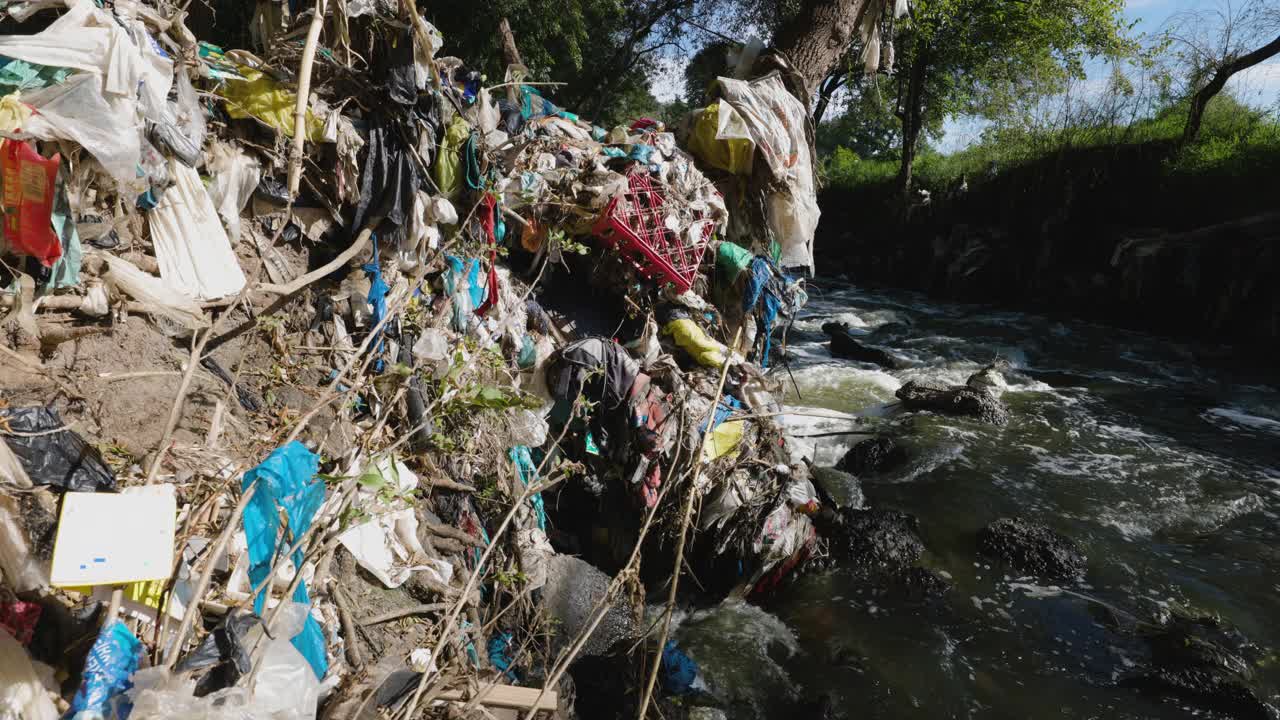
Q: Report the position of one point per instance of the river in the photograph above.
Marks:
(1159, 457)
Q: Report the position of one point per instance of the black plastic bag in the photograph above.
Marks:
(389, 180)
(224, 652)
(395, 63)
(62, 459)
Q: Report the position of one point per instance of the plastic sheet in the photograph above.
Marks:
(448, 168)
(112, 660)
(284, 687)
(260, 97)
(77, 110)
(776, 121)
(694, 340)
(182, 130)
(388, 543)
(61, 459)
(236, 175)
(389, 181)
(97, 108)
(29, 182)
(679, 671)
(720, 139)
(152, 291)
(22, 694)
(23, 571)
(287, 479)
(12, 474)
(194, 253)
(66, 271)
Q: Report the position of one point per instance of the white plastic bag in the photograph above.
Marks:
(22, 694)
(235, 176)
(12, 475)
(286, 688)
(193, 250)
(76, 110)
(125, 277)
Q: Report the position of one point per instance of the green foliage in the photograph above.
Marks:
(1236, 141)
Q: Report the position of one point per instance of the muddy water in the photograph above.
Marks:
(1163, 464)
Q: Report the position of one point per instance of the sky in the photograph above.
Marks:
(1259, 86)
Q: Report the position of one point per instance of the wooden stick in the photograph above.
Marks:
(404, 612)
(304, 96)
(175, 412)
(219, 547)
(684, 533)
(348, 629)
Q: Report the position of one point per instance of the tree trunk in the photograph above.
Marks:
(1202, 97)
(510, 55)
(817, 38)
(912, 114)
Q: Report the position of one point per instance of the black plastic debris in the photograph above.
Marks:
(224, 653)
(52, 457)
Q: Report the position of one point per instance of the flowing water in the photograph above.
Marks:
(1163, 465)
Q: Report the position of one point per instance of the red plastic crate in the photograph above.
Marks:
(632, 224)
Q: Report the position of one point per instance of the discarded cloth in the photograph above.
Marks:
(20, 618)
(66, 271)
(287, 480)
(193, 250)
(61, 459)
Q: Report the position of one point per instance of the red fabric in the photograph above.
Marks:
(28, 202)
(488, 220)
(20, 619)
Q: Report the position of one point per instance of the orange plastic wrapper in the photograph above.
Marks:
(28, 182)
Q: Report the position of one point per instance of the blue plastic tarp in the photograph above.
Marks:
(286, 480)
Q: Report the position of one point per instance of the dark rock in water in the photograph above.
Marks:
(893, 329)
(958, 400)
(845, 345)
(874, 540)
(917, 584)
(1032, 548)
(841, 489)
(1198, 660)
(573, 588)
(874, 455)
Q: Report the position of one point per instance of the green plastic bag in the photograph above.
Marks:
(448, 168)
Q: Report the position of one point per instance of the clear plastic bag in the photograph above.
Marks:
(286, 688)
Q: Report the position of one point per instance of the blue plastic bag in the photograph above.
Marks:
(112, 661)
(679, 671)
(286, 479)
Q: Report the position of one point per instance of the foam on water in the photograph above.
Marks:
(735, 644)
(1232, 419)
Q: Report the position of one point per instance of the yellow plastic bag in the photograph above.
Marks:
(720, 139)
(723, 440)
(13, 114)
(448, 169)
(260, 97)
(693, 340)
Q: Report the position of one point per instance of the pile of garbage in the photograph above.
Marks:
(346, 386)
